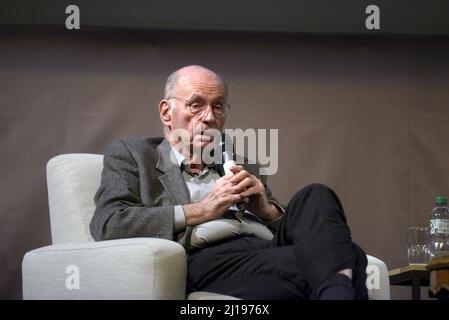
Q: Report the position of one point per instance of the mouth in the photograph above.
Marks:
(206, 139)
(205, 134)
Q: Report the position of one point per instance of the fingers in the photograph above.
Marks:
(244, 184)
(225, 186)
(239, 174)
(230, 199)
(239, 186)
(242, 180)
(236, 169)
(249, 192)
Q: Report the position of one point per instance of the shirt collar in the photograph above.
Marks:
(181, 161)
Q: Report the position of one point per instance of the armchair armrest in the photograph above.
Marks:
(136, 268)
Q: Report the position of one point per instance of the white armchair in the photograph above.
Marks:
(76, 267)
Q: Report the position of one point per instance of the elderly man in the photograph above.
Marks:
(150, 188)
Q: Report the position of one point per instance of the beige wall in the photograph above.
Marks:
(368, 117)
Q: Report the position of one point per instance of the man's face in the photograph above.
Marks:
(197, 87)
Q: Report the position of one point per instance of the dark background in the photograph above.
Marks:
(365, 113)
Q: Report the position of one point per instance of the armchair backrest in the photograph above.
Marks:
(72, 180)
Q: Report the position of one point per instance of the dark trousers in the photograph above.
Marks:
(312, 243)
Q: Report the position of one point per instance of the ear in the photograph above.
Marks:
(165, 112)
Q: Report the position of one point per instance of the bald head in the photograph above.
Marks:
(189, 92)
(191, 73)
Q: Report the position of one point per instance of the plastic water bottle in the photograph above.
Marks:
(439, 228)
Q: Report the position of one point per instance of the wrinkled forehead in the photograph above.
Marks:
(207, 85)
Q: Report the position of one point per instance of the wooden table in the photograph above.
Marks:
(439, 277)
(414, 275)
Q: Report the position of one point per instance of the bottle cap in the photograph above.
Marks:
(441, 201)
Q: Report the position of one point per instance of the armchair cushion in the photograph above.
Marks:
(138, 268)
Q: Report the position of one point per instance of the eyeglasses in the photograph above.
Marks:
(198, 107)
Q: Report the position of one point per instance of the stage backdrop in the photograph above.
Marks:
(369, 117)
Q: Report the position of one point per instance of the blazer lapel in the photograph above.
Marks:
(172, 179)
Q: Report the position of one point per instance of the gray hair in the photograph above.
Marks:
(170, 84)
(172, 80)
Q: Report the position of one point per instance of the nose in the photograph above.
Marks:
(208, 115)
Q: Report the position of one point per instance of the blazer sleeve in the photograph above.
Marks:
(274, 224)
(119, 211)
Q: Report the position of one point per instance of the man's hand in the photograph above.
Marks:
(241, 186)
(248, 186)
(214, 205)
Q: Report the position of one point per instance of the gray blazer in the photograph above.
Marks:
(139, 188)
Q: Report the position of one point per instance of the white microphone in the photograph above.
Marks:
(228, 159)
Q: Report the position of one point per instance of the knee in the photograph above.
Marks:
(318, 195)
(319, 187)
(306, 193)
(313, 188)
